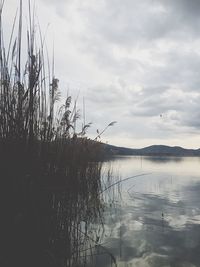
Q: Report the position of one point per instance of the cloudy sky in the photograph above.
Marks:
(134, 62)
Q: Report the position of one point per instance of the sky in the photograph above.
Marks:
(134, 62)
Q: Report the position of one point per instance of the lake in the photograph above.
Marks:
(151, 220)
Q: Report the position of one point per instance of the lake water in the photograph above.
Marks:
(152, 220)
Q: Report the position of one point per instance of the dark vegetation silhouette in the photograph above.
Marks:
(50, 173)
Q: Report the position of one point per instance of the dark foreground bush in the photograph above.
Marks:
(49, 196)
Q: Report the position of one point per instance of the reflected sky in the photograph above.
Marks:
(156, 222)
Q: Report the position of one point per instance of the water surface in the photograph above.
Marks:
(154, 219)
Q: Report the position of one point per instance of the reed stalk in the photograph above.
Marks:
(50, 173)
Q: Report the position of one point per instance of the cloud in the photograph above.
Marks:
(60, 6)
(134, 22)
(133, 61)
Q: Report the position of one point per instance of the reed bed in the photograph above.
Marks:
(50, 173)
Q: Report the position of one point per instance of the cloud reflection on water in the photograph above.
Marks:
(157, 223)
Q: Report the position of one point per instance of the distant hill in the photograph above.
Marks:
(154, 150)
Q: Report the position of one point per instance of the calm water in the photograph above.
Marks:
(153, 220)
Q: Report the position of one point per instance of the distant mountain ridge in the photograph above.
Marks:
(154, 150)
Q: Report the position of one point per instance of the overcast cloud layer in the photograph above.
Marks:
(136, 62)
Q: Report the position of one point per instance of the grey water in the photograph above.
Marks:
(154, 219)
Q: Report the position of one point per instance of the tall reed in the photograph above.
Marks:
(50, 174)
